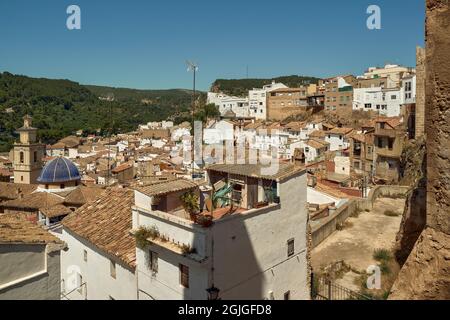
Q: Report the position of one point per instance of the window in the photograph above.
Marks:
(112, 268)
(287, 295)
(35, 156)
(21, 157)
(390, 144)
(368, 105)
(80, 283)
(21, 178)
(290, 245)
(85, 255)
(184, 275)
(153, 258)
(393, 97)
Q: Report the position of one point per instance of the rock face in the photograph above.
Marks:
(426, 273)
(413, 222)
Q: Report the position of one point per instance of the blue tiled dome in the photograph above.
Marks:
(59, 170)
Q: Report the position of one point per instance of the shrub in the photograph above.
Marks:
(391, 213)
(384, 267)
(186, 249)
(143, 233)
(382, 255)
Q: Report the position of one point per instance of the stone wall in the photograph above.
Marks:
(426, 273)
(438, 114)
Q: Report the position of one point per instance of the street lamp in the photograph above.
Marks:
(213, 293)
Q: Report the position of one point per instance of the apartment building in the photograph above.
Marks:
(393, 72)
(383, 82)
(250, 245)
(385, 101)
(339, 93)
(284, 102)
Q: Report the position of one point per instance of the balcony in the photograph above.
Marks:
(385, 132)
(395, 152)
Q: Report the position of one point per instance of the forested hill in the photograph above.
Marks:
(240, 87)
(61, 107)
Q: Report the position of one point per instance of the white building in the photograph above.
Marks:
(218, 132)
(409, 88)
(256, 249)
(258, 103)
(342, 165)
(337, 138)
(314, 150)
(239, 106)
(385, 101)
(99, 263)
(29, 260)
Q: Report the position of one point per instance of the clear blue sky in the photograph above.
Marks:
(144, 44)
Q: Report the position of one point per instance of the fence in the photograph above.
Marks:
(325, 289)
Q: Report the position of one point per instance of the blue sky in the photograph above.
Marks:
(144, 44)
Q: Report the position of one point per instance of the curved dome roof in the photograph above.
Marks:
(59, 170)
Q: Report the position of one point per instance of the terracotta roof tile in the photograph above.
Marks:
(12, 191)
(106, 223)
(35, 200)
(15, 228)
(161, 188)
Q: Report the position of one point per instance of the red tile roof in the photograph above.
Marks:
(106, 223)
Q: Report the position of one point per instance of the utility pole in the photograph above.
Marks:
(109, 140)
(194, 68)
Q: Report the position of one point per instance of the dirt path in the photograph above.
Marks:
(356, 243)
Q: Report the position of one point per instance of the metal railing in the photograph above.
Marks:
(325, 289)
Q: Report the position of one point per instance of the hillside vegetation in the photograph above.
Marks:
(240, 87)
(61, 107)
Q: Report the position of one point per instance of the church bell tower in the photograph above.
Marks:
(28, 154)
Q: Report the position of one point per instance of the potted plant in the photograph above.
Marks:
(191, 205)
(204, 220)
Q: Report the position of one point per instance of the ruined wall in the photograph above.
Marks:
(426, 273)
(438, 114)
(420, 92)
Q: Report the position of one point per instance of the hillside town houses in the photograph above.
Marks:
(135, 216)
